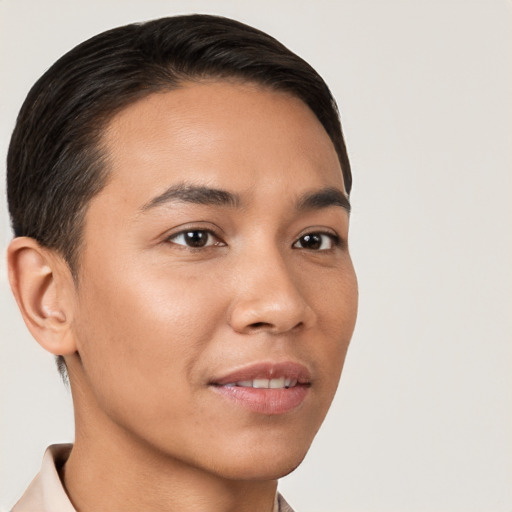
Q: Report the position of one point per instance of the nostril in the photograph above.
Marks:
(266, 325)
(259, 325)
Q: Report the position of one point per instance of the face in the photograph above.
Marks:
(217, 296)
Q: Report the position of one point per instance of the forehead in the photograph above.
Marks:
(224, 134)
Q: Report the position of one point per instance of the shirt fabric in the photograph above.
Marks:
(46, 493)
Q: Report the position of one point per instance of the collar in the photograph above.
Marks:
(46, 493)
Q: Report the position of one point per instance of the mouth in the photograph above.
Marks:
(265, 388)
(279, 383)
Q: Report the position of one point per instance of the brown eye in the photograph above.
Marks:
(195, 238)
(316, 242)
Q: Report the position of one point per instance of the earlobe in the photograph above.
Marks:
(43, 287)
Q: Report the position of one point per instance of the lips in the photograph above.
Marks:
(266, 371)
(279, 383)
(265, 388)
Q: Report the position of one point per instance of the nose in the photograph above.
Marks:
(269, 296)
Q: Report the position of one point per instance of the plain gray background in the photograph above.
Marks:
(423, 417)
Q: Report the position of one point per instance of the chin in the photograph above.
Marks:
(272, 471)
(264, 462)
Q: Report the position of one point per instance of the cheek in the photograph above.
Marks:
(336, 320)
(139, 335)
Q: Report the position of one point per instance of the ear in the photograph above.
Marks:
(44, 290)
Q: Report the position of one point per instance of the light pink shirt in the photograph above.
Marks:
(46, 493)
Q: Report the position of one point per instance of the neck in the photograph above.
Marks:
(111, 469)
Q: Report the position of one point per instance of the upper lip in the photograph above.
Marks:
(266, 370)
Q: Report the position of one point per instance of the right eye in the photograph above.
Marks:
(195, 238)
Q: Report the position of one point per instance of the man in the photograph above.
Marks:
(179, 196)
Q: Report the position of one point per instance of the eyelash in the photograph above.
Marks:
(209, 233)
(334, 239)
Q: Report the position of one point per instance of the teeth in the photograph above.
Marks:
(280, 383)
(290, 383)
(276, 383)
(260, 383)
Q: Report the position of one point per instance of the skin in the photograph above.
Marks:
(154, 320)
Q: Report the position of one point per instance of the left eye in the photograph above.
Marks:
(195, 238)
(316, 242)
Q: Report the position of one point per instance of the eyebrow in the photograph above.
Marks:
(199, 194)
(323, 198)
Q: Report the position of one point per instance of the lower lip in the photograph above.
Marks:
(264, 400)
